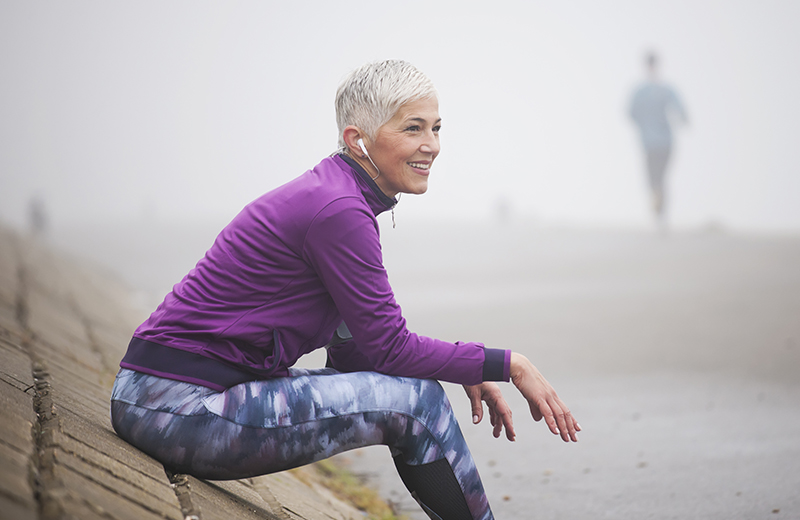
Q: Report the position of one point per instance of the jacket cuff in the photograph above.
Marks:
(496, 364)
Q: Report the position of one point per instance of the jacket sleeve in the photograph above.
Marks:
(343, 247)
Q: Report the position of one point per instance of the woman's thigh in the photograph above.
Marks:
(267, 426)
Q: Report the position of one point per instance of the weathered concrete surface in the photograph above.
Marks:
(63, 330)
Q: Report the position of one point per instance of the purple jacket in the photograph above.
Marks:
(277, 283)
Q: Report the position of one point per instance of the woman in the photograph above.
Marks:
(207, 387)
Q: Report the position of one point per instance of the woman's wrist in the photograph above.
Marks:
(518, 365)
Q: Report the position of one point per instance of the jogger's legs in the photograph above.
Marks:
(657, 161)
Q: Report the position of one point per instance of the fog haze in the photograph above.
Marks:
(182, 111)
(143, 127)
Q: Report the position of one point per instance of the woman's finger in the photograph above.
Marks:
(549, 416)
(535, 412)
(573, 426)
(560, 420)
(497, 424)
(508, 422)
(564, 421)
(497, 430)
(474, 394)
(573, 430)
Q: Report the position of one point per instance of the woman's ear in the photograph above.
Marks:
(351, 136)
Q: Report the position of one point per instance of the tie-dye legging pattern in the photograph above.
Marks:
(267, 426)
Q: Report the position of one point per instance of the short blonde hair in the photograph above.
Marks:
(373, 93)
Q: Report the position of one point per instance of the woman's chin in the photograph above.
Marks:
(419, 189)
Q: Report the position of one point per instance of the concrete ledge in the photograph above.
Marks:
(63, 330)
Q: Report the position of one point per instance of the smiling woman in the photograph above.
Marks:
(207, 386)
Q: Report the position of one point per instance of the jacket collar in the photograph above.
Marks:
(377, 200)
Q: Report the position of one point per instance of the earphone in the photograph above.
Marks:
(360, 143)
(363, 148)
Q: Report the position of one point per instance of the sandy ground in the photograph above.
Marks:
(679, 355)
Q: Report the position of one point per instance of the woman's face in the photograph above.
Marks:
(405, 147)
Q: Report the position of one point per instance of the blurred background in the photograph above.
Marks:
(131, 132)
(182, 111)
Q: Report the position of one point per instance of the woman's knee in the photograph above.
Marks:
(431, 392)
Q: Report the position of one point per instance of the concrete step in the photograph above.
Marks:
(63, 329)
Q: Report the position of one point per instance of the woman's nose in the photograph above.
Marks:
(430, 144)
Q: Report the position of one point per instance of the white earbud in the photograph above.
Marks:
(363, 148)
(360, 143)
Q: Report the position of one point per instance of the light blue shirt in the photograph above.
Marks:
(652, 106)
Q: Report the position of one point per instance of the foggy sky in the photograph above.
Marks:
(185, 110)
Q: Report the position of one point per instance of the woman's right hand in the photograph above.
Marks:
(542, 398)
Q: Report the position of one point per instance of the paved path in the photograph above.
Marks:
(62, 333)
(679, 355)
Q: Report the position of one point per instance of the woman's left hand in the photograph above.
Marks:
(499, 411)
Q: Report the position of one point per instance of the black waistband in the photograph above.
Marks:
(158, 360)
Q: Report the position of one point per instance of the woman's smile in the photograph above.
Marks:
(420, 167)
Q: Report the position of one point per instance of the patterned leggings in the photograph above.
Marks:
(267, 426)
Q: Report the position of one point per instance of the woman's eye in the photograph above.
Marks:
(413, 128)
(437, 128)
